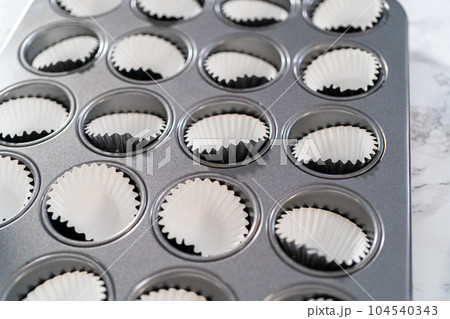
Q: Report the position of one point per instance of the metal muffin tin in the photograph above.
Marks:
(377, 197)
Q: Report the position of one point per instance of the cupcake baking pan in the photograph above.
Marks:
(243, 108)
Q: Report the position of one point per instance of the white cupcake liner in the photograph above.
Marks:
(96, 200)
(86, 8)
(253, 12)
(137, 55)
(71, 286)
(67, 54)
(321, 299)
(337, 149)
(205, 215)
(30, 118)
(341, 14)
(16, 187)
(321, 239)
(170, 9)
(344, 71)
(239, 70)
(227, 137)
(172, 294)
(123, 132)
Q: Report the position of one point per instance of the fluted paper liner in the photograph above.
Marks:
(147, 57)
(343, 72)
(339, 15)
(205, 215)
(227, 138)
(70, 286)
(30, 118)
(86, 8)
(170, 9)
(123, 132)
(98, 201)
(67, 54)
(16, 187)
(321, 239)
(321, 299)
(172, 294)
(337, 149)
(253, 12)
(239, 70)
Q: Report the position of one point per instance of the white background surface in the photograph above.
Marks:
(430, 146)
(430, 139)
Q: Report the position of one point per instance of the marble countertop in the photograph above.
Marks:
(430, 139)
(430, 146)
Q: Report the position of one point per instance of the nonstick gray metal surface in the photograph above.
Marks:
(376, 197)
